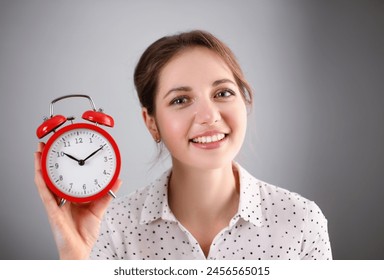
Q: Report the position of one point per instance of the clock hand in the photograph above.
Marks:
(72, 157)
(93, 153)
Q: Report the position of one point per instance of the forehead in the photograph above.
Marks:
(194, 65)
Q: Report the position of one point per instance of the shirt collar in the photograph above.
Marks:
(156, 204)
(250, 200)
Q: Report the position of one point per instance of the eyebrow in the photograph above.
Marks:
(187, 89)
(177, 89)
(222, 81)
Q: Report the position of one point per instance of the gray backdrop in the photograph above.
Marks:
(316, 127)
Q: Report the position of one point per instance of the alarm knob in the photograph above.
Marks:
(50, 125)
(98, 117)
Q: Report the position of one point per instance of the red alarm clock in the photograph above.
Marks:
(80, 161)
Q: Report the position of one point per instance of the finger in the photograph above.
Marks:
(46, 195)
(99, 206)
(37, 161)
(40, 146)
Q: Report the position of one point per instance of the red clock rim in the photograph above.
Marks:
(52, 186)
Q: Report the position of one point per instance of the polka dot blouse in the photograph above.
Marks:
(271, 223)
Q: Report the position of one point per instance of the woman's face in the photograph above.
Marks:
(200, 115)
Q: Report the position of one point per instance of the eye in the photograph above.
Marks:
(180, 100)
(225, 93)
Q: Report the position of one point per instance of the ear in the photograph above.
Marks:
(150, 122)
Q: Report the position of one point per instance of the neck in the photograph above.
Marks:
(199, 195)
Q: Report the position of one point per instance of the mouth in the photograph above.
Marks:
(209, 139)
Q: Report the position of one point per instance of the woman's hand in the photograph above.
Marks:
(75, 226)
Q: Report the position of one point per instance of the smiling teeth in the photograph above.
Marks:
(209, 139)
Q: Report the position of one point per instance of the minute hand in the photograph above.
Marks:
(94, 153)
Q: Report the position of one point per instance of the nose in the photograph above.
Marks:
(207, 113)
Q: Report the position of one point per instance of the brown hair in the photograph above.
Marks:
(159, 53)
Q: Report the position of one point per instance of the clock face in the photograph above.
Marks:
(80, 162)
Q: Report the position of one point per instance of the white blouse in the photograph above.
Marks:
(271, 223)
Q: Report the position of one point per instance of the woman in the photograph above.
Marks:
(194, 100)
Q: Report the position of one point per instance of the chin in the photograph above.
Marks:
(210, 163)
(206, 159)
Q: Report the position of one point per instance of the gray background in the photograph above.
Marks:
(316, 127)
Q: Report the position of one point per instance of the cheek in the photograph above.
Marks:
(237, 117)
(172, 127)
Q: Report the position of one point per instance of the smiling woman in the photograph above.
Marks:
(194, 99)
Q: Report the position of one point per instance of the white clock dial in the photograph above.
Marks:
(81, 162)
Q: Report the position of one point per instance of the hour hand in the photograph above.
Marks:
(72, 157)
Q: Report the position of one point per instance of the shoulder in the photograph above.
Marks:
(285, 201)
(282, 199)
(278, 203)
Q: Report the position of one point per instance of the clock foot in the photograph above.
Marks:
(111, 194)
(62, 202)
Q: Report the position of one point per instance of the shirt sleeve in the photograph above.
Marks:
(315, 242)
